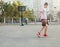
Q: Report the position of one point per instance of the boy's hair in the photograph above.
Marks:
(46, 3)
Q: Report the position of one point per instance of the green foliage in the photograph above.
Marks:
(11, 10)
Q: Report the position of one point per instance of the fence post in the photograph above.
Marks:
(59, 20)
(12, 20)
(50, 19)
(35, 19)
(4, 20)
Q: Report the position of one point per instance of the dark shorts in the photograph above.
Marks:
(44, 22)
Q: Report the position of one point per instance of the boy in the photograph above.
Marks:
(43, 17)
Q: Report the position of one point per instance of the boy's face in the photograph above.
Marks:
(45, 6)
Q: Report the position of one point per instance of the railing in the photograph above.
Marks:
(13, 20)
(9, 20)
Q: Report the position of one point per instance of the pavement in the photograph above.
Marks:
(25, 36)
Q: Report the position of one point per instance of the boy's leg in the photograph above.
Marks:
(42, 28)
(45, 28)
(43, 24)
(45, 31)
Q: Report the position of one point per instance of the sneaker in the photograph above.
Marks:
(38, 34)
(45, 35)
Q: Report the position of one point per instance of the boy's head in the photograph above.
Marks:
(45, 5)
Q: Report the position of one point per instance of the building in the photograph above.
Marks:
(54, 7)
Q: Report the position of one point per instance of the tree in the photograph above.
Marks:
(11, 10)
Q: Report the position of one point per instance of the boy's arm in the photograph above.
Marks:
(39, 15)
(41, 12)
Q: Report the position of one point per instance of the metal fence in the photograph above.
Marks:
(16, 20)
(9, 20)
